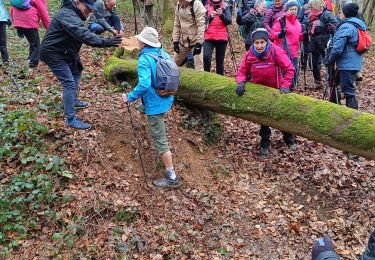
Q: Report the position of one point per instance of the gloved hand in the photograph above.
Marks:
(284, 90)
(176, 47)
(322, 245)
(197, 49)
(113, 42)
(240, 89)
(281, 34)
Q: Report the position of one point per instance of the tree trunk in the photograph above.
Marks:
(371, 14)
(338, 126)
(168, 19)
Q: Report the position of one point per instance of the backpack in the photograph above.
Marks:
(364, 40)
(21, 4)
(167, 75)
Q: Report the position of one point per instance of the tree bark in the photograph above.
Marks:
(168, 19)
(334, 125)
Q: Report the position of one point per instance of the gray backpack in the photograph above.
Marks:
(167, 75)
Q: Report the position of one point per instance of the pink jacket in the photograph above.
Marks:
(293, 34)
(29, 19)
(264, 70)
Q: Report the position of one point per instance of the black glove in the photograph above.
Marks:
(281, 34)
(241, 89)
(176, 47)
(322, 245)
(113, 42)
(284, 90)
(197, 49)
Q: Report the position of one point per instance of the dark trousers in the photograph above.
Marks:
(3, 42)
(265, 135)
(316, 63)
(113, 21)
(208, 48)
(32, 36)
(347, 83)
(295, 78)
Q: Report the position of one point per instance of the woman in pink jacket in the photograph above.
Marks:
(216, 35)
(270, 66)
(287, 33)
(26, 21)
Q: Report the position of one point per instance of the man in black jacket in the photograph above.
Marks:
(60, 50)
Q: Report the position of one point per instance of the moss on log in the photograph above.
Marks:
(338, 126)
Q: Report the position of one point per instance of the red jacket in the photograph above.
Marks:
(264, 71)
(293, 33)
(217, 26)
(29, 19)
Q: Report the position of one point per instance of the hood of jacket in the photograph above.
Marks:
(356, 22)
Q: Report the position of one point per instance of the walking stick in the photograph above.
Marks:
(136, 142)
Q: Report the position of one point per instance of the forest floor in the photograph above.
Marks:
(82, 194)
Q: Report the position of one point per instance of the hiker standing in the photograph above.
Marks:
(273, 13)
(216, 35)
(287, 34)
(26, 21)
(270, 66)
(155, 106)
(250, 20)
(104, 18)
(344, 53)
(188, 31)
(323, 25)
(4, 21)
(60, 51)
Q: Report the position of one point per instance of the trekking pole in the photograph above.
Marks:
(136, 142)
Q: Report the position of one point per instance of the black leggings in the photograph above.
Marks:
(208, 48)
(3, 42)
(32, 36)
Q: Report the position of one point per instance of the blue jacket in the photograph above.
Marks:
(4, 16)
(154, 104)
(345, 43)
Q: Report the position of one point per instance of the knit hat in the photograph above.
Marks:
(290, 4)
(350, 10)
(150, 37)
(260, 33)
(317, 4)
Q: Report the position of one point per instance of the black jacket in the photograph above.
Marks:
(66, 34)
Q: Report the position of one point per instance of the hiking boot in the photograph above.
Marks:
(80, 104)
(293, 146)
(76, 124)
(358, 76)
(264, 151)
(190, 64)
(5, 63)
(167, 182)
(318, 84)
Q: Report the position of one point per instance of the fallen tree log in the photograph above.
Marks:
(334, 125)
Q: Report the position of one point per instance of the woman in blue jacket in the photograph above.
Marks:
(4, 21)
(344, 53)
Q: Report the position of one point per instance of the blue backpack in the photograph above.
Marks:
(21, 4)
(167, 75)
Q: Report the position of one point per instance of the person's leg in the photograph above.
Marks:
(160, 141)
(208, 48)
(198, 61)
(295, 78)
(316, 66)
(289, 140)
(76, 70)
(32, 36)
(265, 135)
(96, 28)
(190, 60)
(347, 79)
(179, 58)
(64, 74)
(3, 42)
(221, 46)
(115, 22)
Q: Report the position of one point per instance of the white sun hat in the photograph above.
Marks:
(150, 37)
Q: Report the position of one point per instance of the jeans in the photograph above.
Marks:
(32, 36)
(113, 21)
(265, 135)
(347, 79)
(208, 48)
(69, 74)
(190, 56)
(3, 42)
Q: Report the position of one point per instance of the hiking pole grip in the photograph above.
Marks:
(136, 142)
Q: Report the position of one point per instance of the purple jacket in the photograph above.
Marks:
(272, 14)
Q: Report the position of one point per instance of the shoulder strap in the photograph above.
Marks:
(192, 10)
